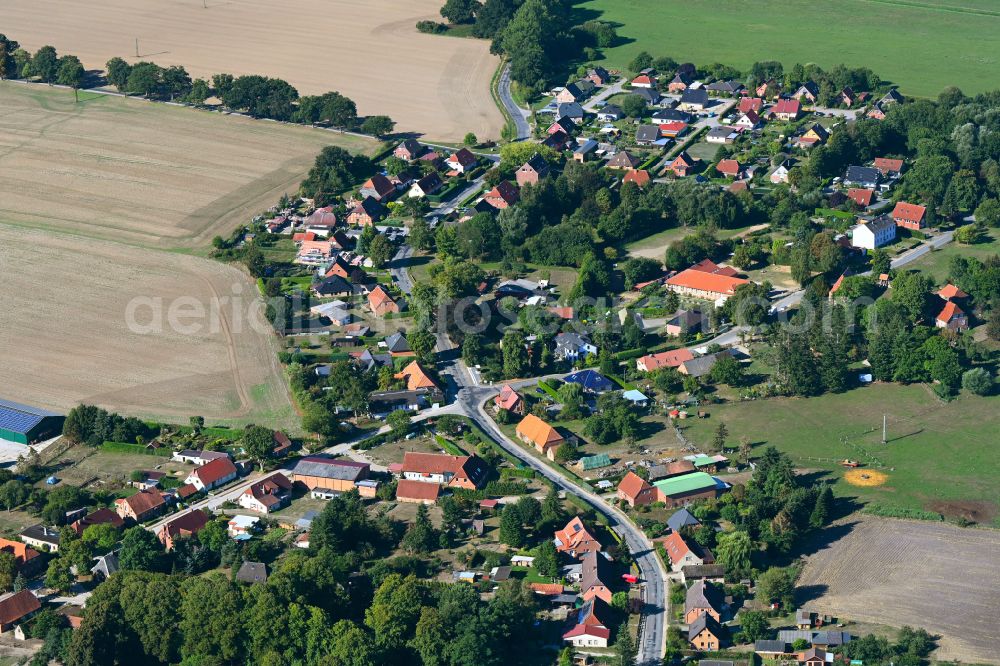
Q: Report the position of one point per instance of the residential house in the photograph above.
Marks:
(671, 116)
(702, 599)
(575, 92)
(821, 639)
(640, 177)
(590, 380)
(695, 99)
(585, 150)
(16, 607)
(771, 649)
(198, 457)
(706, 634)
(609, 113)
(333, 286)
(378, 187)
(98, 517)
(368, 212)
(242, 527)
(729, 168)
(328, 477)
(408, 150)
(416, 492)
(861, 196)
(721, 134)
(951, 292)
(570, 110)
(623, 160)
(314, 253)
(859, 176)
(848, 97)
(952, 317)
(254, 573)
(682, 165)
(680, 553)
(673, 129)
(635, 490)
(397, 345)
(575, 540)
(874, 233)
(683, 518)
(41, 537)
(468, 472)
(780, 173)
(416, 377)
(678, 83)
(269, 494)
(637, 398)
(564, 125)
(381, 303)
(808, 91)
(532, 171)
(140, 507)
(729, 88)
(684, 489)
(748, 121)
(598, 76)
(815, 657)
(213, 474)
(322, 221)
(817, 134)
(645, 79)
(646, 135)
(461, 161)
(909, 216)
(573, 346)
(787, 109)
(769, 88)
(710, 286)
(890, 98)
(107, 566)
(510, 400)
(383, 403)
(185, 526)
(594, 575)
(588, 630)
(889, 167)
(668, 359)
(27, 560)
(427, 185)
(536, 432)
(747, 104)
(504, 195)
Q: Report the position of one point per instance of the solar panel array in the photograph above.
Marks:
(19, 418)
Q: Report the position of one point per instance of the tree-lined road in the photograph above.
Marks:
(519, 115)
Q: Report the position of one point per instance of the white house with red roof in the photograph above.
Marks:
(213, 474)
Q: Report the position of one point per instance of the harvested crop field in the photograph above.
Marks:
(370, 51)
(943, 578)
(142, 173)
(65, 336)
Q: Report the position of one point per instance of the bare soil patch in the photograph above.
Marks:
(370, 51)
(977, 511)
(937, 576)
(65, 338)
(144, 173)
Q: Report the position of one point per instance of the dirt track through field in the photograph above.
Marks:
(367, 50)
(65, 336)
(937, 576)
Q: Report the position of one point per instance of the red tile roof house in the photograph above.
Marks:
(635, 490)
(710, 286)
(381, 303)
(269, 494)
(576, 540)
(755, 104)
(213, 474)
(682, 164)
(184, 526)
(27, 560)
(952, 317)
(638, 176)
(593, 576)
(461, 161)
(673, 129)
(679, 552)
(729, 168)
(367, 212)
(16, 607)
(706, 634)
(909, 216)
(408, 150)
(98, 517)
(861, 196)
(888, 166)
(950, 291)
(588, 629)
(787, 109)
(139, 507)
(668, 359)
(417, 492)
(644, 81)
(510, 400)
(504, 195)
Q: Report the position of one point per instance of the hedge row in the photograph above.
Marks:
(123, 447)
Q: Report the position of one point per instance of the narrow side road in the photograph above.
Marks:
(519, 115)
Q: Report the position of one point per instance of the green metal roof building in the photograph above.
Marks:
(593, 462)
(687, 483)
(24, 425)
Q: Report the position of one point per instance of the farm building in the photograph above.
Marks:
(595, 462)
(25, 425)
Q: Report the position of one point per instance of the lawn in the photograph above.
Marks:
(959, 39)
(939, 456)
(935, 263)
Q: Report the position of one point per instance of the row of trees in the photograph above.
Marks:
(46, 65)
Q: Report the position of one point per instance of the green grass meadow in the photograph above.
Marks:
(922, 46)
(936, 452)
